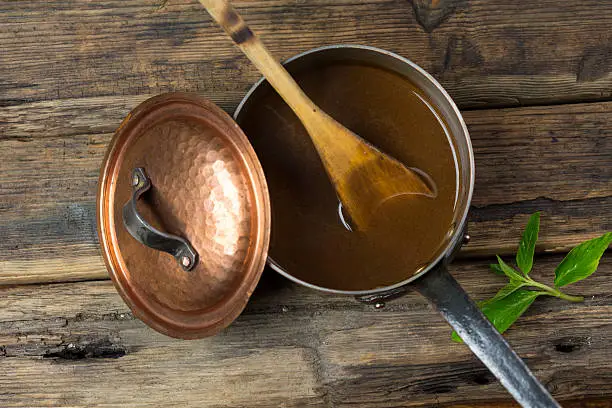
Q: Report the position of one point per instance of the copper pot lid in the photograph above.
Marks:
(183, 215)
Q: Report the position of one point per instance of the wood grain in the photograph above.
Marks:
(77, 345)
(485, 52)
(554, 159)
(71, 70)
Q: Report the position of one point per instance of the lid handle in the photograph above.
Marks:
(146, 234)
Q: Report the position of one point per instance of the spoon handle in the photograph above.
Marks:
(250, 44)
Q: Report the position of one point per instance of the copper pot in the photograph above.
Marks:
(433, 281)
(184, 219)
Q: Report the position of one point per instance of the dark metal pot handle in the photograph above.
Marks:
(148, 235)
(449, 298)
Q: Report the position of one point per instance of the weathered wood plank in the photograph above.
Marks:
(77, 345)
(70, 71)
(485, 52)
(556, 159)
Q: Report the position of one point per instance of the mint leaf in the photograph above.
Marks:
(503, 312)
(581, 261)
(524, 256)
(455, 337)
(511, 301)
(507, 290)
(508, 271)
(497, 269)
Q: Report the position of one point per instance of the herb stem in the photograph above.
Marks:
(552, 291)
(576, 299)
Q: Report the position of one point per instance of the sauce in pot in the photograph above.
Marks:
(309, 239)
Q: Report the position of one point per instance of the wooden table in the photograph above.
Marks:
(534, 82)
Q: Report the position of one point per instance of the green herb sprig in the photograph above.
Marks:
(514, 299)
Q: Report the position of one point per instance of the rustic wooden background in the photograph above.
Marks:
(534, 80)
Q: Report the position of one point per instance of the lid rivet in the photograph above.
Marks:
(135, 180)
(185, 261)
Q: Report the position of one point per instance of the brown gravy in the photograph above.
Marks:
(308, 238)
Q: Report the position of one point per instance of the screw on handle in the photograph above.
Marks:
(146, 234)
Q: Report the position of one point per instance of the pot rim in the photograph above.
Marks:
(460, 227)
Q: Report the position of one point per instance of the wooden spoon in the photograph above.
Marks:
(363, 176)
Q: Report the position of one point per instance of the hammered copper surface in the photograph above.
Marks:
(208, 188)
